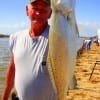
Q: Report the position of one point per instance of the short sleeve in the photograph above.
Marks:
(12, 42)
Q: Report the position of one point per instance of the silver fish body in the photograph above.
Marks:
(62, 52)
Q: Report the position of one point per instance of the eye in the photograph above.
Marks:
(40, 10)
(34, 8)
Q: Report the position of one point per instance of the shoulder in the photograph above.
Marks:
(18, 34)
(15, 37)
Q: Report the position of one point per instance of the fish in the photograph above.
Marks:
(62, 51)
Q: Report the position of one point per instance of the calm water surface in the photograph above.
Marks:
(4, 59)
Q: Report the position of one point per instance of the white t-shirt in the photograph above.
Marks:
(32, 80)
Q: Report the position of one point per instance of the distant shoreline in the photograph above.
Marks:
(4, 36)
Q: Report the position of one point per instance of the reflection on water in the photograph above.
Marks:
(4, 59)
(4, 51)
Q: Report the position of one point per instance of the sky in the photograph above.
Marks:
(13, 16)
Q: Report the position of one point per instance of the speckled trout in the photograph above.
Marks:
(62, 46)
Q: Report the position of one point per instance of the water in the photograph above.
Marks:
(4, 59)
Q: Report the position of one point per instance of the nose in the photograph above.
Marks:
(37, 13)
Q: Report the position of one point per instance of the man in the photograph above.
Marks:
(88, 44)
(27, 68)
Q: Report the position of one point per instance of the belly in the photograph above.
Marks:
(37, 86)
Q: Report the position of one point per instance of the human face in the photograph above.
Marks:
(38, 12)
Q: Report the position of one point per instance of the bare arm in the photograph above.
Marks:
(9, 80)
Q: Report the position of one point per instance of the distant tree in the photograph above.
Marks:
(3, 35)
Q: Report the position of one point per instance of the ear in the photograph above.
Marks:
(27, 10)
(50, 11)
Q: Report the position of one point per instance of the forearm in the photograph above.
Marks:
(9, 80)
(9, 83)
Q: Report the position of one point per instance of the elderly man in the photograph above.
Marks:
(27, 67)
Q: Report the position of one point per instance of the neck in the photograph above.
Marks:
(37, 29)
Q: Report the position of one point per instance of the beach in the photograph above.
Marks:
(88, 87)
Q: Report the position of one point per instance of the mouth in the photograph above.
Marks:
(37, 19)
